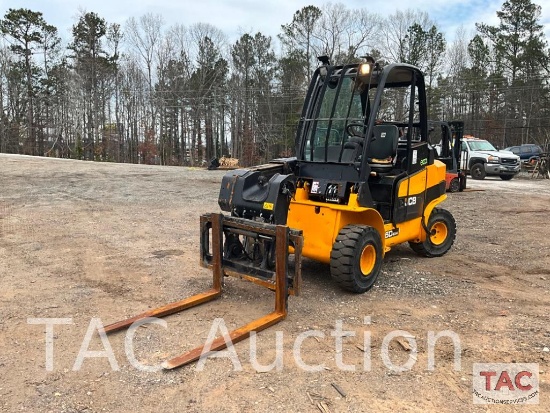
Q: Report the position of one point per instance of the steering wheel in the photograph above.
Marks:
(356, 129)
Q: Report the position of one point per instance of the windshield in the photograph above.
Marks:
(340, 105)
(481, 146)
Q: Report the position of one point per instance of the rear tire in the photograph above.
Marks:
(442, 227)
(356, 258)
(454, 185)
(477, 171)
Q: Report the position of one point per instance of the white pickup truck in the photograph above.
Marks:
(480, 159)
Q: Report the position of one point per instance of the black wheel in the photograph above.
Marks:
(454, 185)
(506, 177)
(356, 258)
(442, 227)
(478, 171)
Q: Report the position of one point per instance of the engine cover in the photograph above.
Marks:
(262, 192)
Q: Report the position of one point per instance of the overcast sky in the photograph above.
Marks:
(235, 17)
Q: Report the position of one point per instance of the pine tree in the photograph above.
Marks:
(30, 33)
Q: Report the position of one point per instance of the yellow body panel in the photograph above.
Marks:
(426, 178)
(429, 177)
(321, 222)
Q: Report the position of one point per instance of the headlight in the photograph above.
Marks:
(364, 69)
(493, 159)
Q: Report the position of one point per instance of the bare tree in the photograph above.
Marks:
(394, 31)
(5, 67)
(454, 95)
(144, 37)
(343, 33)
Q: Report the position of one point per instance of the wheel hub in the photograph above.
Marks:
(439, 233)
(367, 260)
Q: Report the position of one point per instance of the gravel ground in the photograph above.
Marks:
(94, 243)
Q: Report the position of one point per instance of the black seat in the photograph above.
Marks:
(352, 149)
(383, 148)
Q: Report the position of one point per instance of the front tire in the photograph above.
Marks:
(477, 171)
(506, 177)
(356, 258)
(442, 228)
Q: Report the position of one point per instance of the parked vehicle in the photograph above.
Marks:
(480, 159)
(446, 137)
(526, 152)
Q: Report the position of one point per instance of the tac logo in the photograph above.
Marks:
(506, 383)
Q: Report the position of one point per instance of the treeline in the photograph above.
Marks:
(144, 92)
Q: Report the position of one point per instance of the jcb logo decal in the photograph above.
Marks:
(410, 201)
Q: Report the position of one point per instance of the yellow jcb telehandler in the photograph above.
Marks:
(364, 179)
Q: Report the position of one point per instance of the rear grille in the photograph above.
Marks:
(509, 161)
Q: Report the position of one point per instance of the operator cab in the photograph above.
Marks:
(363, 128)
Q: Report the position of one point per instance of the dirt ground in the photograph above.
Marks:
(85, 241)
